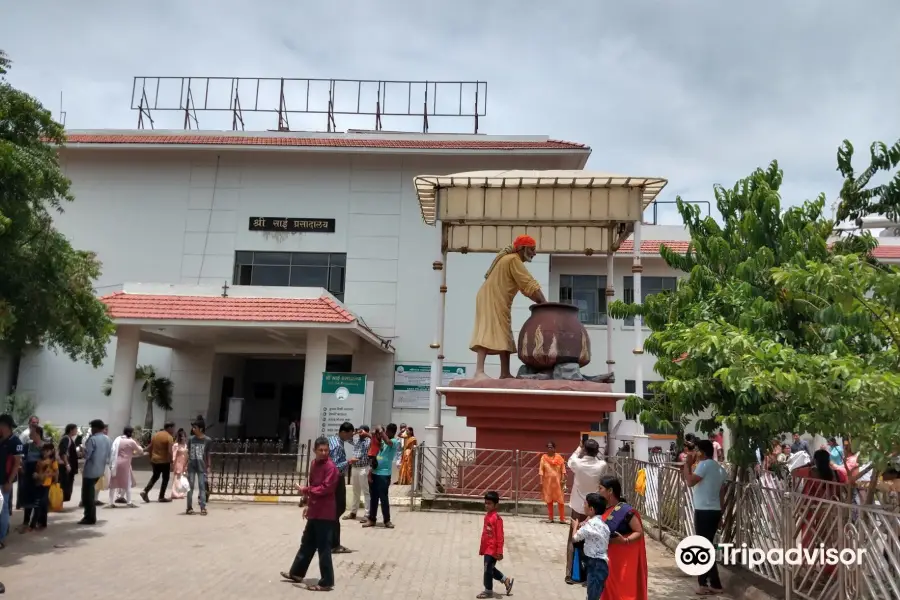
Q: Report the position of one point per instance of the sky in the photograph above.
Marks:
(697, 91)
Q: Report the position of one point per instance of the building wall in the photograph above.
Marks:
(623, 335)
(166, 216)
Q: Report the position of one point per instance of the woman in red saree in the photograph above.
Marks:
(627, 550)
(820, 481)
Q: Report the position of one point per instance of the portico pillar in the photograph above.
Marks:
(128, 340)
(311, 410)
(638, 351)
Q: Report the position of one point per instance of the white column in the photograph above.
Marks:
(610, 295)
(638, 351)
(128, 340)
(434, 432)
(311, 409)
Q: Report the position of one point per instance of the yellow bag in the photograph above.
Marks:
(56, 498)
(101, 484)
(640, 483)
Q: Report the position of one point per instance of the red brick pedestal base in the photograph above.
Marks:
(522, 415)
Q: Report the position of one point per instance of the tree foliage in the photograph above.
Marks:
(46, 285)
(156, 390)
(772, 330)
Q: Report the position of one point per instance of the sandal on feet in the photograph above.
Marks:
(350, 517)
(318, 588)
(369, 524)
(203, 512)
(341, 550)
(704, 591)
(287, 576)
(508, 585)
(389, 525)
(189, 511)
(485, 595)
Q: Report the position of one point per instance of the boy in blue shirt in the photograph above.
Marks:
(380, 476)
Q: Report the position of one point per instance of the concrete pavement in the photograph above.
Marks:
(238, 549)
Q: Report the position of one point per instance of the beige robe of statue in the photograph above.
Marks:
(493, 304)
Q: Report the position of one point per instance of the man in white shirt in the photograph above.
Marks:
(588, 468)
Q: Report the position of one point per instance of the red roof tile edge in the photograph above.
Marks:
(652, 247)
(123, 305)
(289, 141)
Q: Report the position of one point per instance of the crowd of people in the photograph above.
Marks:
(45, 473)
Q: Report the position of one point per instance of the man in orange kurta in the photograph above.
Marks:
(493, 304)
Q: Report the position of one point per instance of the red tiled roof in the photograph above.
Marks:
(652, 247)
(122, 305)
(886, 252)
(292, 141)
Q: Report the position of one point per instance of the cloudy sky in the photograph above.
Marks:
(698, 91)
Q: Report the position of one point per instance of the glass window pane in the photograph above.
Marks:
(309, 277)
(586, 301)
(309, 259)
(588, 282)
(273, 276)
(243, 274)
(243, 258)
(338, 260)
(271, 258)
(336, 280)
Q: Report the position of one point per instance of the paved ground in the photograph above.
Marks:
(238, 549)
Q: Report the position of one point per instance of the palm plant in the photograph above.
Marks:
(157, 391)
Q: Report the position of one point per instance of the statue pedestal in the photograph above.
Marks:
(521, 415)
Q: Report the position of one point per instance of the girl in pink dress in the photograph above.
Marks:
(121, 477)
(179, 462)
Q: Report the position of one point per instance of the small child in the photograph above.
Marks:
(595, 535)
(46, 473)
(492, 547)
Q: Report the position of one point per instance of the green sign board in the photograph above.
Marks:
(355, 383)
(412, 383)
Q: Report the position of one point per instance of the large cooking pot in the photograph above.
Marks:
(553, 335)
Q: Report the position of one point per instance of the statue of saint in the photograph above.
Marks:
(493, 304)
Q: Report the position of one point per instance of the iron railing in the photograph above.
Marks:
(258, 468)
(763, 511)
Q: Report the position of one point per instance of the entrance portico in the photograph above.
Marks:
(203, 324)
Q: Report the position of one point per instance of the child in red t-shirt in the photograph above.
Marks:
(492, 547)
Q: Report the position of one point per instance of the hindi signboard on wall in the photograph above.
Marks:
(412, 384)
(343, 399)
(292, 225)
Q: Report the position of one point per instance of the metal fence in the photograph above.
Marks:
(762, 511)
(258, 467)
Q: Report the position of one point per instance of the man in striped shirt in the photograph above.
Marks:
(359, 474)
(339, 458)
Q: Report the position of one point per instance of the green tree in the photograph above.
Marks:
(157, 391)
(773, 331)
(46, 286)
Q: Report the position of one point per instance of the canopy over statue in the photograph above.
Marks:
(506, 277)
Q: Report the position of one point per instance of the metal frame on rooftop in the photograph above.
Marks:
(285, 96)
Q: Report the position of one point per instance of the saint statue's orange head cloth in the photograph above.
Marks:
(524, 241)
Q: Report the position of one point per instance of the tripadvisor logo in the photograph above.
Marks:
(694, 555)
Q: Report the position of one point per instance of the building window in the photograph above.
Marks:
(629, 389)
(649, 286)
(588, 293)
(292, 269)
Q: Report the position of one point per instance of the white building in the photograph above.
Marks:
(175, 216)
